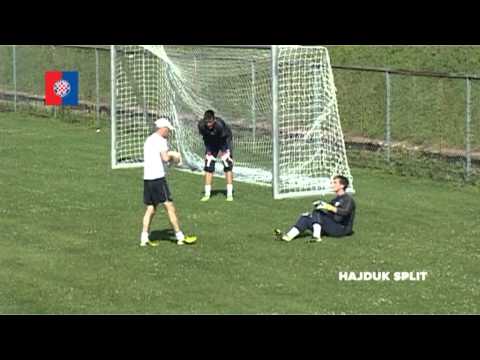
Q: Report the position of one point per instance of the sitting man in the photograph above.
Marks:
(333, 219)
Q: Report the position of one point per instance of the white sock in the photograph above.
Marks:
(144, 237)
(230, 190)
(180, 236)
(208, 190)
(317, 231)
(293, 233)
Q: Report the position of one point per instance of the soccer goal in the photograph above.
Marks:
(280, 102)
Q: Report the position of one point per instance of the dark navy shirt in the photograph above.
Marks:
(345, 211)
(218, 137)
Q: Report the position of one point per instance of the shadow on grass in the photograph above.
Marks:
(163, 235)
(303, 236)
(218, 192)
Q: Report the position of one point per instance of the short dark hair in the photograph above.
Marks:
(343, 181)
(209, 115)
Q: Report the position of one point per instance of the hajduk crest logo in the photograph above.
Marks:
(61, 88)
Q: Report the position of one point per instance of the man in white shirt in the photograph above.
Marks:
(156, 191)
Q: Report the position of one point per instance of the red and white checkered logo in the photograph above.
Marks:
(62, 88)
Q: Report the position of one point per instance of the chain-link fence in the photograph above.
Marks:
(411, 123)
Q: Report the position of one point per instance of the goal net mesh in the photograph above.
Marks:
(182, 82)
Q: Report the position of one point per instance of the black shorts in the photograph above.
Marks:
(214, 152)
(156, 192)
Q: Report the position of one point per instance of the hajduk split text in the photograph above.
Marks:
(382, 276)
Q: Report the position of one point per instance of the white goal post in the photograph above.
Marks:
(280, 102)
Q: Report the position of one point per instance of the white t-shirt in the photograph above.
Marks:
(153, 167)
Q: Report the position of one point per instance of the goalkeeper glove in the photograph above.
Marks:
(209, 159)
(226, 158)
(321, 205)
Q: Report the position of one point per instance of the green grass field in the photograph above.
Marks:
(70, 230)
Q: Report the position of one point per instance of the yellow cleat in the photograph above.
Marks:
(229, 198)
(190, 240)
(205, 199)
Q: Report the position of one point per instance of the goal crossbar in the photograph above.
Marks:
(279, 100)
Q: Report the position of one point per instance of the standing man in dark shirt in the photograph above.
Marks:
(333, 219)
(217, 137)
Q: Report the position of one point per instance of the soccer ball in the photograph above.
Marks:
(176, 157)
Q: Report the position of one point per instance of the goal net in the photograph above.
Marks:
(280, 103)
